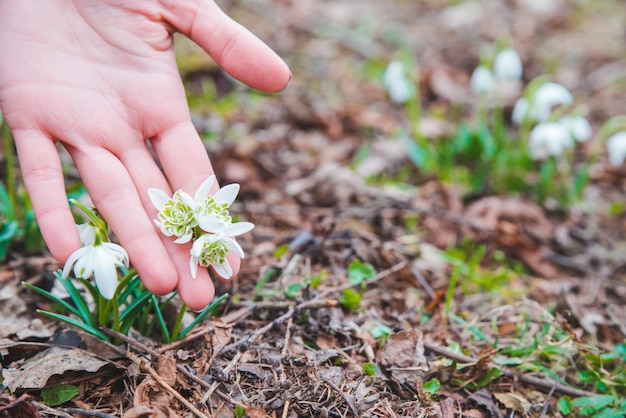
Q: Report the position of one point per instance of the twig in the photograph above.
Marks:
(185, 340)
(146, 366)
(143, 348)
(349, 401)
(531, 380)
(422, 280)
(546, 405)
(79, 411)
(51, 411)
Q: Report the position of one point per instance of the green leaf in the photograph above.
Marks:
(280, 251)
(157, 309)
(53, 298)
(369, 368)
(351, 299)
(380, 331)
(492, 373)
(56, 395)
(212, 306)
(240, 411)
(358, 272)
(432, 385)
(76, 323)
(565, 405)
(592, 404)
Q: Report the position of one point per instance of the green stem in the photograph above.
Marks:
(178, 323)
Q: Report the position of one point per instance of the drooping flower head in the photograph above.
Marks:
(97, 257)
(539, 107)
(549, 139)
(507, 66)
(399, 86)
(616, 148)
(482, 80)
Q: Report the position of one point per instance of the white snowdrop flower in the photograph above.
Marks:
(547, 96)
(176, 215)
(211, 211)
(539, 109)
(520, 110)
(87, 233)
(398, 85)
(549, 138)
(578, 127)
(210, 250)
(616, 147)
(100, 260)
(482, 81)
(508, 65)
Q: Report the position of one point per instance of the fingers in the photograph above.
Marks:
(233, 47)
(196, 293)
(43, 176)
(115, 195)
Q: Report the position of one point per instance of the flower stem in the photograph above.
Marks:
(179, 322)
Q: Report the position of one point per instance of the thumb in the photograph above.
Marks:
(233, 47)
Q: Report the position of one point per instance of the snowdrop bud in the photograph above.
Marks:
(547, 96)
(398, 85)
(508, 65)
(578, 127)
(549, 138)
(482, 80)
(616, 147)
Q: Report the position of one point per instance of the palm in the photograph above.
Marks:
(101, 78)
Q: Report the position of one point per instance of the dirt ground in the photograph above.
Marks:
(286, 343)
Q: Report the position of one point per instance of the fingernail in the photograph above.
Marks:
(288, 82)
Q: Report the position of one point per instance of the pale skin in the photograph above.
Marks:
(100, 78)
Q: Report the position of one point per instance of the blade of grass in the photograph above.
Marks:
(50, 296)
(162, 324)
(203, 315)
(74, 322)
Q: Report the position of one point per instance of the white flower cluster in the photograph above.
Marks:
(205, 220)
(97, 257)
(506, 67)
(551, 135)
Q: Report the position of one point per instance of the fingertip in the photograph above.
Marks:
(196, 293)
(159, 276)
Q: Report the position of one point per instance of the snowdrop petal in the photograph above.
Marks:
(234, 245)
(482, 80)
(193, 266)
(204, 189)
(238, 228)
(224, 270)
(184, 239)
(210, 223)
(105, 272)
(87, 233)
(616, 147)
(71, 261)
(520, 110)
(158, 198)
(227, 194)
(578, 127)
(549, 138)
(84, 266)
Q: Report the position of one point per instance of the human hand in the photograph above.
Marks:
(101, 79)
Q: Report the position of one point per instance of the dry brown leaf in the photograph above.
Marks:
(514, 402)
(54, 361)
(403, 356)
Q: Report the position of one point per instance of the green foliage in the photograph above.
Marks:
(350, 299)
(359, 272)
(369, 368)
(240, 411)
(133, 306)
(17, 219)
(431, 386)
(380, 331)
(59, 394)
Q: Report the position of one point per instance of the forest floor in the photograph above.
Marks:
(370, 287)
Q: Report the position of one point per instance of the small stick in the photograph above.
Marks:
(146, 366)
(156, 355)
(349, 401)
